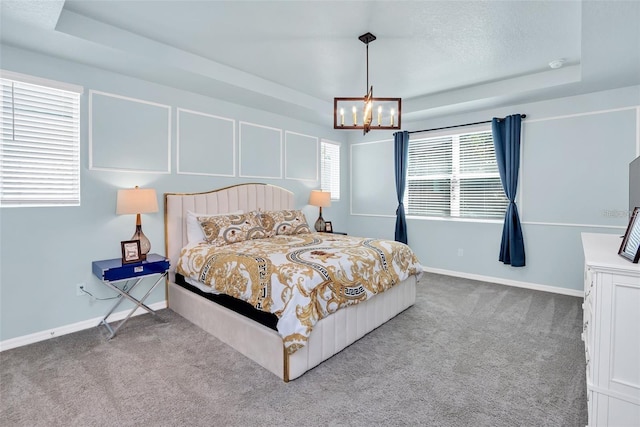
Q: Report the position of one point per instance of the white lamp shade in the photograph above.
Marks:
(136, 201)
(320, 198)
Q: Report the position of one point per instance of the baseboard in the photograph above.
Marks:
(507, 282)
(74, 327)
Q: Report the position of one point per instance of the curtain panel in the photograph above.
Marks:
(506, 139)
(401, 154)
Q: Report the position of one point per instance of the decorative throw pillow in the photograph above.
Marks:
(227, 229)
(284, 222)
(194, 231)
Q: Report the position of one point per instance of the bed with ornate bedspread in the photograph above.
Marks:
(325, 291)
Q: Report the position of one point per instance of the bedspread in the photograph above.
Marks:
(301, 278)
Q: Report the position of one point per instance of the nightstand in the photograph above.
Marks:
(112, 273)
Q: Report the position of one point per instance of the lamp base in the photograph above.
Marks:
(320, 225)
(145, 244)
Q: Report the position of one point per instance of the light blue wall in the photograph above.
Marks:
(45, 252)
(574, 179)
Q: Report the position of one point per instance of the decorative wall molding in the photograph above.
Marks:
(371, 186)
(122, 140)
(559, 155)
(587, 113)
(522, 201)
(637, 131)
(260, 150)
(214, 145)
(302, 156)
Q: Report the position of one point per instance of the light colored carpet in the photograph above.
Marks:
(467, 354)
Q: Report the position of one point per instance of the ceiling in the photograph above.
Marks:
(293, 57)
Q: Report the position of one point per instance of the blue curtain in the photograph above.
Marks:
(401, 153)
(506, 140)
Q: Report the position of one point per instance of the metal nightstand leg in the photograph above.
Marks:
(127, 294)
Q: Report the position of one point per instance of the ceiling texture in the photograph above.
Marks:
(294, 57)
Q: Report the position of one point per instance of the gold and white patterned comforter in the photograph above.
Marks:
(300, 278)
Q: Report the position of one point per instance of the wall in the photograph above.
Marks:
(573, 179)
(130, 137)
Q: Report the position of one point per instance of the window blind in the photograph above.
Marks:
(330, 168)
(40, 149)
(430, 169)
(454, 175)
(481, 193)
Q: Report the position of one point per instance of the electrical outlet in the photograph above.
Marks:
(79, 289)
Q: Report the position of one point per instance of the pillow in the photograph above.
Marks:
(285, 222)
(194, 231)
(227, 229)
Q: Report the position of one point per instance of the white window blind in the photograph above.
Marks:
(40, 148)
(454, 176)
(330, 168)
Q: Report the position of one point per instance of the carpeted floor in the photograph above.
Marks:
(467, 354)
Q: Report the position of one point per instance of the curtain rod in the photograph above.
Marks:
(457, 126)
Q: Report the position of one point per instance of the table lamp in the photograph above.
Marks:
(322, 199)
(138, 201)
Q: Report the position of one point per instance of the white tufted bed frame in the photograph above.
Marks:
(257, 342)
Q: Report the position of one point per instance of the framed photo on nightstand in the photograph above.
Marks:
(328, 227)
(131, 251)
(630, 248)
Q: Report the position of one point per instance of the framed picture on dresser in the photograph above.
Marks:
(630, 247)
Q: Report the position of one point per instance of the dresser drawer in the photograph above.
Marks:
(113, 270)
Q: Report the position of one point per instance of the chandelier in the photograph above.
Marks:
(387, 110)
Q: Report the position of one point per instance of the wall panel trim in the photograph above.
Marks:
(233, 142)
(141, 101)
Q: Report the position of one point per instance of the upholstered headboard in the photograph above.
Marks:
(245, 197)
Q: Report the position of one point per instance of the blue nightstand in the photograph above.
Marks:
(112, 272)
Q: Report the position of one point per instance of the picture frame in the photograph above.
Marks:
(131, 251)
(328, 227)
(630, 247)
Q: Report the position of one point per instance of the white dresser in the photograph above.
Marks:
(611, 332)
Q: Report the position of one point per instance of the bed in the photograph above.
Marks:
(258, 340)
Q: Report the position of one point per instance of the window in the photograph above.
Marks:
(454, 175)
(40, 146)
(330, 168)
